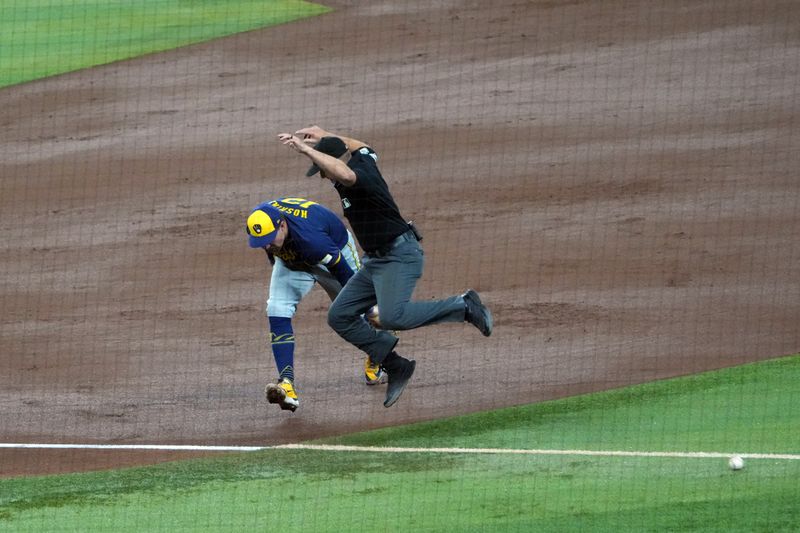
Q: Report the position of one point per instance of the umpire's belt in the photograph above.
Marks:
(385, 249)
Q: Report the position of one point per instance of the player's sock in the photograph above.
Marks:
(283, 346)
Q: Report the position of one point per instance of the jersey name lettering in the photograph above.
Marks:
(300, 211)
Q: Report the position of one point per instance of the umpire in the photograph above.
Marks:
(393, 263)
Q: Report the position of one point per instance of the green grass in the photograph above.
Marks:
(40, 38)
(749, 409)
(752, 407)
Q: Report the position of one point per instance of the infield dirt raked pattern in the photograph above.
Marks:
(618, 180)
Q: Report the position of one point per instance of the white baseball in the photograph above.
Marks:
(736, 463)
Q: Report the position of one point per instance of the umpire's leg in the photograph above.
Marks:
(394, 278)
(346, 318)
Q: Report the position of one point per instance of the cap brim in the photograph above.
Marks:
(264, 240)
(311, 171)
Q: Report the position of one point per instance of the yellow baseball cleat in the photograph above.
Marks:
(373, 374)
(283, 394)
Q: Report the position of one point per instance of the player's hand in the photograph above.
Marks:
(312, 134)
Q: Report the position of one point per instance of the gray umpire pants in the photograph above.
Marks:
(389, 282)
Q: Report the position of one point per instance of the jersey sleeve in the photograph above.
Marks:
(340, 269)
(325, 251)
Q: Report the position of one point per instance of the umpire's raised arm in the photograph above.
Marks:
(325, 153)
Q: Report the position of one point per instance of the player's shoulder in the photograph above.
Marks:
(307, 216)
(295, 207)
(320, 212)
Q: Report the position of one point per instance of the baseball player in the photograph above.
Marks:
(306, 244)
(393, 263)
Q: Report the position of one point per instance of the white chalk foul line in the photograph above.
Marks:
(134, 447)
(384, 449)
(599, 453)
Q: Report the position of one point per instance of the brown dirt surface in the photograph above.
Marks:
(618, 179)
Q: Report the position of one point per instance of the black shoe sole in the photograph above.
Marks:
(488, 319)
(396, 388)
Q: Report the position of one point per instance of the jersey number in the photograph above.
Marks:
(300, 202)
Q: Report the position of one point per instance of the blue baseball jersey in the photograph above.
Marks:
(316, 235)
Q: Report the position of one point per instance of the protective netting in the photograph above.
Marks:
(618, 180)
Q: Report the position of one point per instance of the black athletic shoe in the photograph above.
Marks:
(478, 314)
(399, 370)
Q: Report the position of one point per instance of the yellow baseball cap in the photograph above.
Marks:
(262, 225)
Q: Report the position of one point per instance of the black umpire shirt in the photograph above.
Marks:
(368, 205)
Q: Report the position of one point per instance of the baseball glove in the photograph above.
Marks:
(373, 317)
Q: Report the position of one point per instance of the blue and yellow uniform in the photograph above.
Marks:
(315, 236)
(307, 244)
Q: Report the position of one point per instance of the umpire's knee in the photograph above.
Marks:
(394, 319)
(337, 320)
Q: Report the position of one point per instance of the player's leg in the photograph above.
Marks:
(287, 288)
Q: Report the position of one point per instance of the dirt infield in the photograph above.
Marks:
(618, 179)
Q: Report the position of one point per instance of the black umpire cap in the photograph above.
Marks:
(333, 146)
